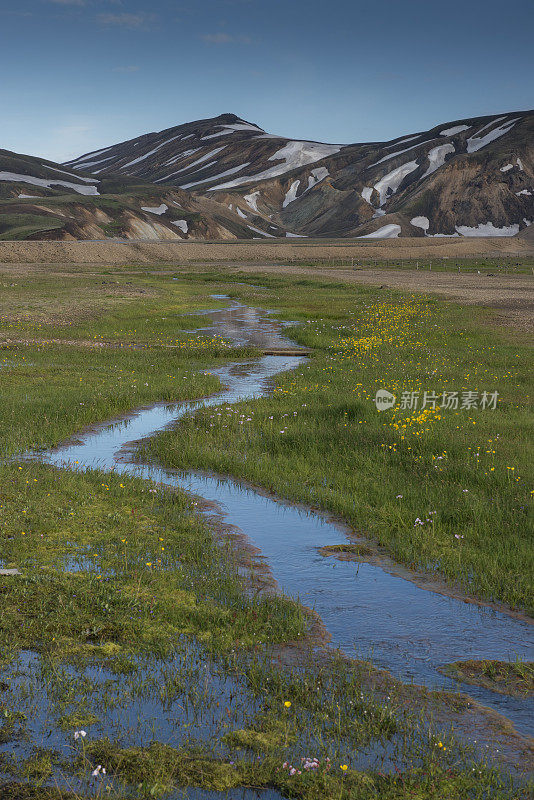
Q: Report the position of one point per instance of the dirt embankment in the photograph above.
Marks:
(143, 252)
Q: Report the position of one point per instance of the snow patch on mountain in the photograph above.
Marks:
(291, 194)
(252, 200)
(47, 183)
(421, 222)
(215, 135)
(201, 160)
(436, 158)
(257, 230)
(244, 126)
(294, 154)
(241, 213)
(477, 142)
(399, 153)
(236, 126)
(150, 152)
(385, 232)
(157, 210)
(487, 229)
(70, 174)
(181, 156)
(388, 184)
(317, 175)
(367, 191)
(88, 156)
(88, 164)
(454, 130)
(507, 167)
(182, 224)
(230, 171)
(403, 141)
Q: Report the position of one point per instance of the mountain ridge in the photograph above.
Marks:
(227, 178)
(265, 176)
(40, 199)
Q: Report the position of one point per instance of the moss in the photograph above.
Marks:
(38, 767)
(112, 228)
(110, 650)
(160, 766)
(351, 785)
(511, 678)
(13, 724)
(77, 719)
(272, 735)
(23, 791)
(347, 550)
(443, 783)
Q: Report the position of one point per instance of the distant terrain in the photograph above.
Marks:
(225, 178)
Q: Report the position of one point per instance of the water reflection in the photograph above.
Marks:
(367, 611)
(244, 325)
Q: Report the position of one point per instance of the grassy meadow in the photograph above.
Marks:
(504, 265)
(448, 491)
(137, 655)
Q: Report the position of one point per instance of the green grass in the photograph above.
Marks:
(48, 392)
(506, 265)
(152, 546)
(124, 582)
(157, 768)
(513, 678)
(319, 438)
(22, 226)
(112, 306)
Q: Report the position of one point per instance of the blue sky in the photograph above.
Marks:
(77, 75)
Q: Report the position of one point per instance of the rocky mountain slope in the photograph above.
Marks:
(226, 178)
(43, 200)
(470, 177)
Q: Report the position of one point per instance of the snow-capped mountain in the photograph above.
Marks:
(231, 179)
(469, 177)
(43, 200)
(212, 154)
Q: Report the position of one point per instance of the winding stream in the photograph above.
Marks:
(367, 611)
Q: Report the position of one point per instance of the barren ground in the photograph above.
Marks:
(510, 296)
(143, 252)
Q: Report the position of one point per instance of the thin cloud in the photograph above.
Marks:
(225, 38)
(138, 22)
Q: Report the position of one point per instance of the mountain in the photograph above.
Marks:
(226, 178)
(469, 177)
(43, 200)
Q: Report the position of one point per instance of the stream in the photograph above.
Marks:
(368, 612)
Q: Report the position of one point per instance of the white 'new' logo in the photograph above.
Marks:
(384, 400)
